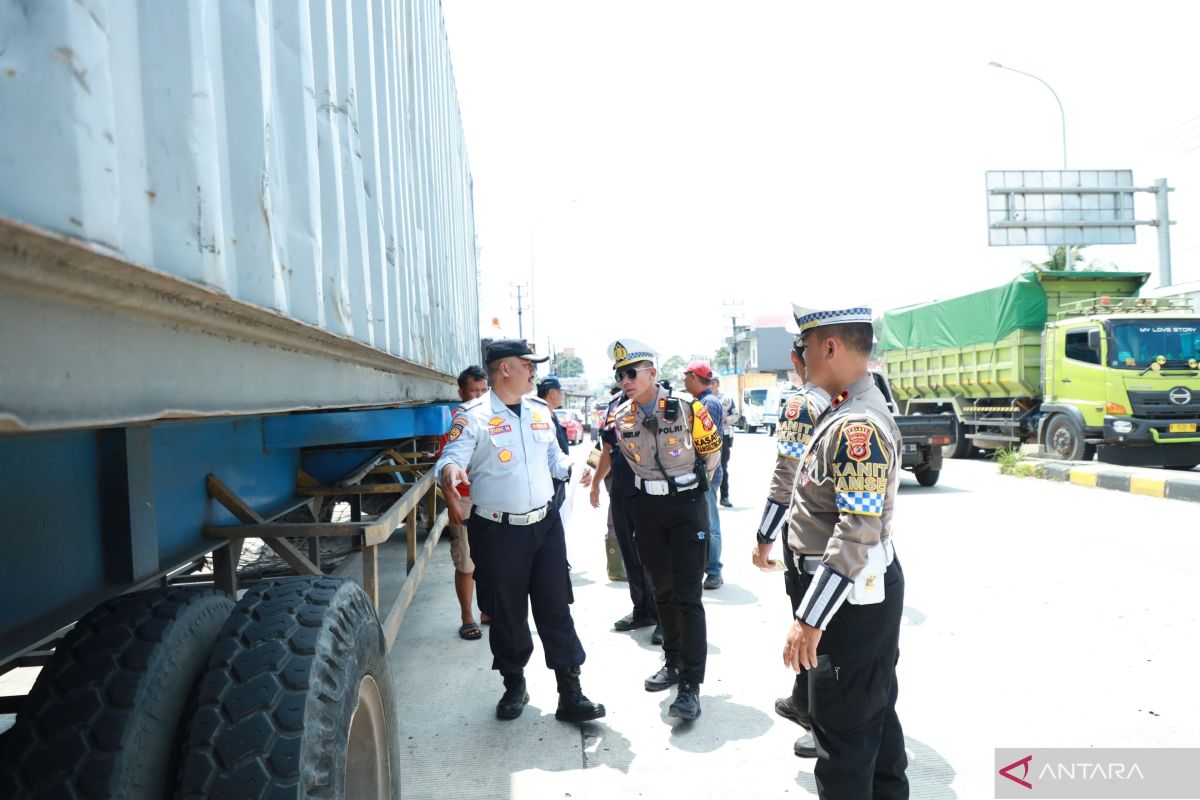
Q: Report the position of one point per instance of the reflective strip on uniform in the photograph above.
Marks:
(773, 519)
(824, 597)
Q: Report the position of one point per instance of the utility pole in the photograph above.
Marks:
(520, 307)
(734, 309)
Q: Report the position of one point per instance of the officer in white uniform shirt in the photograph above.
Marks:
(506, 439)
(846, 631)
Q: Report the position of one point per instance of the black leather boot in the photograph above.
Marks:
(515, 696)
(666, 677)
(687, 701)
(573, 706)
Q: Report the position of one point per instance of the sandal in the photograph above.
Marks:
(470, 631)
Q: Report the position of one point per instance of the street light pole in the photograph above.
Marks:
(1062, 114)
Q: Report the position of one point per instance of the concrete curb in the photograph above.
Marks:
(1135, 480)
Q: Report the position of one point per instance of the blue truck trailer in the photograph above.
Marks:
(237, 279)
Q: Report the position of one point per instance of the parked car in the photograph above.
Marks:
(573, 424)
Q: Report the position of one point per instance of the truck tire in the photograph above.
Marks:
(105, 716)
(1065, 439)
(928, 477)
(297, 701)
(962, 445)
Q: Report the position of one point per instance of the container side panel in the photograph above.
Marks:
(306, 158)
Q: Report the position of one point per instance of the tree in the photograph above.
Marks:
(672, 369)
(721, 361)
(569, 366)
(1057, 260)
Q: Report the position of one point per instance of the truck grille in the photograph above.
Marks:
(1158, 405)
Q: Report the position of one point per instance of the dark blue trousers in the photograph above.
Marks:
(517, 566)
(852, 697)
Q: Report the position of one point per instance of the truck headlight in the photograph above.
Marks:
(1123, 426)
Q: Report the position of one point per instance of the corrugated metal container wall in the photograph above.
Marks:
(305, 157)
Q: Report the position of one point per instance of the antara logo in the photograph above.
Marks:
(1071, 771)
(1024, 765)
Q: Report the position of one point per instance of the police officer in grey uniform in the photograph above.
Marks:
(506, 439)
(792, 436)
(846, 630)
(673, 448)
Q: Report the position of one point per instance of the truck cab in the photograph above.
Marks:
(1123, 374)
(760, 408)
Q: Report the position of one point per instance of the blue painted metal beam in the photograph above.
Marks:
(289, 431)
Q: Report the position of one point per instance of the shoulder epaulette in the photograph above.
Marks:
(534, 398)
(467, 406)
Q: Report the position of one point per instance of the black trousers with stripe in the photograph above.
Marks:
(672, 538)
(517, 566)
(852, 698)
(641, 587)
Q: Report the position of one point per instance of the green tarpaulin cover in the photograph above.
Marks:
(990, 315)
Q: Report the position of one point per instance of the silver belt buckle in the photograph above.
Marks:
(657, 488)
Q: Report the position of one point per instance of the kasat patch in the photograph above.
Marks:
(505, 456)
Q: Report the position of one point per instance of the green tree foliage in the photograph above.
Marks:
(721, 359)
(672, 369)
(569, 366)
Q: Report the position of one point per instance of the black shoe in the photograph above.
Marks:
(713, 581)
(515, 697)
(656, 637)
(725, 502)
(687, 701)
(631, 622)
(786, 707)
(573, 706)
(666, 677)
(805, 746)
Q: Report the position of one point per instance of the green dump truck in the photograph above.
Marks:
(1072, 360)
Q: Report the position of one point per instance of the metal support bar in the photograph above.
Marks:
(1075, 223)
(373, 532)
(1164, 231)
(370, 565)
(236, 506)
(395, 615)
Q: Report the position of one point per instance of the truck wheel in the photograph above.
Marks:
(1064, 438)
(770, 430)
(961, 444)
(105, 716)
(297, 701)
(928, 477)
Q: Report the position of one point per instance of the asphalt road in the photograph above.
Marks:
(1038, 614)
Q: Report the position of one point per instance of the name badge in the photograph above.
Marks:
(539, 426)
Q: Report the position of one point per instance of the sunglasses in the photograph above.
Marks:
(629, 372)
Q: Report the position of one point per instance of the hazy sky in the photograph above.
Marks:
(643, 164)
